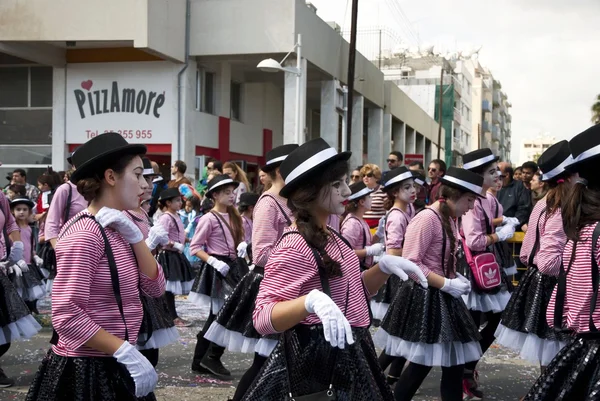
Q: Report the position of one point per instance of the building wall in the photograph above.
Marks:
(423, 95)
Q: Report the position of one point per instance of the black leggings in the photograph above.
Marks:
(151, 355)
(487, 334)
(203, 345)
(4, 349)
(170, 297)
(397, 363)
(414, 374)
(249, 376)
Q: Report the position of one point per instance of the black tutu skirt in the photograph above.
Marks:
(29, 287)
(233, 327)
(49, 257)
(523, 327)
(210, 288)
(573, 375)
(356, 372)
(16, 322)
(429, 327)
(384, 297)
(62, 378)
(157, 329)
(178, 272)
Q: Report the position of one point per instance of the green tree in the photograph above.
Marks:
(596, 111)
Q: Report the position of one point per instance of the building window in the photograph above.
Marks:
(25, 87)
(527, 145)
(205, 91)
(236, 101)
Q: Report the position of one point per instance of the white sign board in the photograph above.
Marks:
(137, 100)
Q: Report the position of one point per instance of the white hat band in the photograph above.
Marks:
(478, 162)
(309, 163)
(465, 184)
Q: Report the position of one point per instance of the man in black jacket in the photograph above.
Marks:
(514, 197)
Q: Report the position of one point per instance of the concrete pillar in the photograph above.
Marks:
(399, 136)
(224, 90)
(387, 134)
(289, 104)
(329, 114)
(375, 132)
(411, 141)
(356, 142)
(59, 124)
(420, 144)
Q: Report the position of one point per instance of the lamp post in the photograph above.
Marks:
(271, 65)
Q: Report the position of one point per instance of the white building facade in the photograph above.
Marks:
(532, 148)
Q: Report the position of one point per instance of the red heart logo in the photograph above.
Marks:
(87, 85)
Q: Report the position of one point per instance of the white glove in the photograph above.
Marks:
(141, 370)
(38, 261)
(375, 249)
(219, 265)
(242, 250)
(510, 220)
(157, 236)
(117, 220)
(505, 232)
(23, 266)
(464, 280)
(456, 286)
(16, 251)
(15, 269)
(380, 228)
(336, 327)
(179, 247)
(401, 267)
(4, 267)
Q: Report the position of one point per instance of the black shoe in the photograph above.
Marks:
(215, 367)
(198, 369)
(5, 381)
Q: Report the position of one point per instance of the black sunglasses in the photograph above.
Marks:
(433, 169)
(354, 176)
(392, 160)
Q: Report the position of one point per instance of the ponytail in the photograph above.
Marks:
(449, 193)
(237, 226)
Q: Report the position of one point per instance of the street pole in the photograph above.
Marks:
(440, 113)
(351, 69)
(299, 128)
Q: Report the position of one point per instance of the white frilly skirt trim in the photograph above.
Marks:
(179, 287)
(23, 329)
(44, 272)
(379, 309)
(438, 354)
(236, 342)
(49, 284)
(159, 338)
(206, 302)
(511, 271)
(530, 347)
(495, 303)
(33, 293)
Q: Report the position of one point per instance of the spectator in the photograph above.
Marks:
(236, 173)
(19, 176)
(518, 174)
(355, 176)
(539, 188)
(529, 169)
(395, 159)
(15, 191)
(265, 182)
(371, 175)
(514, 197)
(215, 167)
(178, 170)
(422, 190)
(437, 169)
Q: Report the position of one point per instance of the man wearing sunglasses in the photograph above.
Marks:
(395, 159)
(436, 170)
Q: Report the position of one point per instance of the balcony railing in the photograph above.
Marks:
(457, 116)
(495, 133)
(486, 106)
(485, 126)
(495, 116)
(497, 98)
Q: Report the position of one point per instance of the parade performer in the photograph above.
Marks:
(246, 208)
(314, 292)
(103, 264)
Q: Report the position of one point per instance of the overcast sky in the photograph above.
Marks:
(546, 53)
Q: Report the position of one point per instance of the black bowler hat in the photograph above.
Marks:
(585, 148)
(22, 201)
(478, 158)
(275, 157)
(554, 161)
(396, 176)
(359, 190)
(419, 179)
(248, 199)
(97, 153)
(70, 158)
(169, 193)
(219, 181)
(464, 180)
(148, 170)
(311, 158)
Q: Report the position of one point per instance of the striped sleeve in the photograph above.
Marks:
(396, 224)
(265, 229)
(353, 231)
(10, 222)
(418, 241)
(73, 286)
(154, 288)
(552, 244)
(473, 227)
(203, 231)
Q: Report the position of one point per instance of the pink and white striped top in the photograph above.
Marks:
(268, 225)
(333, 221)
(291, 272)
(552, 240)
(357, 233)
(26, 234)
(474, 227)
(141, 219)
(247, 229)
(56, 212)
(6, 220)
(423, 243)
(174, 227)
(395, 226)
(217, 241)
(83, 300)
(576, 314)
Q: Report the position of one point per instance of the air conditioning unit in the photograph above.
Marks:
(311, 6)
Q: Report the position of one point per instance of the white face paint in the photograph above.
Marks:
(368, 202)
(225, 196)
(332, 197)
(407, 192)
(490, 176)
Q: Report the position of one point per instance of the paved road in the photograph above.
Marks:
(502, 375)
